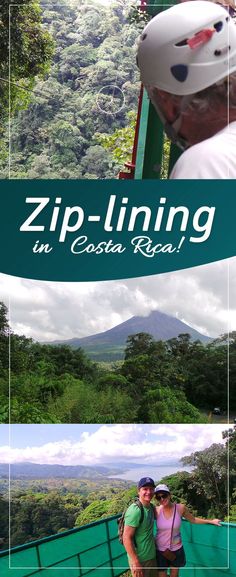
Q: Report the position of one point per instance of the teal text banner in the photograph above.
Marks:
(86, 230)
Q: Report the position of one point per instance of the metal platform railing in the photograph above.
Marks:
(95, 550)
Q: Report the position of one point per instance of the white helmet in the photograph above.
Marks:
(187, 48)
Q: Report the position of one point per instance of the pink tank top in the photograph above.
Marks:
(164, 531)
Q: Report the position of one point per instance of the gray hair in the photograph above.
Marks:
(222, 92)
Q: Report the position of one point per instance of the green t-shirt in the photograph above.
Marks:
(144, 539)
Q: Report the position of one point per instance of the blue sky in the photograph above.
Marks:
(37, 435)
(98, 444)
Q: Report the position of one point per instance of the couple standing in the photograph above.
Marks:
(148, 557)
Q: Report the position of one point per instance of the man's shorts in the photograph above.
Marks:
(150, 568)
(180, 560)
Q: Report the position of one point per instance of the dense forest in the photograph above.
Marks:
(26, 54)
(175, 381)
(49, 506)
(85, 102)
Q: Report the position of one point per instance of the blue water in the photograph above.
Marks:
(156, 473)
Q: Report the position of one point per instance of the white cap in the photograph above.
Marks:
(187, 48)
(162, 487)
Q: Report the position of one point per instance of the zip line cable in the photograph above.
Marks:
(27, 89)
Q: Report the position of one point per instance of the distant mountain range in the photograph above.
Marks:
(29, 470)
(38, 471)
(109, 345)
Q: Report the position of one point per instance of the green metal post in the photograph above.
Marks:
(150, 143)
(151, 136)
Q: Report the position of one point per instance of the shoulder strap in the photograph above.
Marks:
(172, 526)
(140, 506)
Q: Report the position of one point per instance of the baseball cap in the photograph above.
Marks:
(146, 481)
(162, 487)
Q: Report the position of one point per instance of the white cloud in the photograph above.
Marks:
(48, 310)
(151, 444)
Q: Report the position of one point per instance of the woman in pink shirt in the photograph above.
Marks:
(170, 552)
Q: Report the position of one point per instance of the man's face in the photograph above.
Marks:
(193, 127)
(146, 493)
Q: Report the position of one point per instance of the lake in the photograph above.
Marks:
(156, 473)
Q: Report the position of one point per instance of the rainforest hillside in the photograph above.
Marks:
(89, 92)
(173, 381)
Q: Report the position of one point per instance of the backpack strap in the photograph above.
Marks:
(141, 507)
(120, 521)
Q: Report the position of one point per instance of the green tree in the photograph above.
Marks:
(54, 137)
(113, 380)
(4, 325)
(210, 477)
(31, 49)
(81, 402)
(230, 435)
(95, 511)
(138, 344)
(120, 143)
(4, 513)
(4, 338)
(164, 405)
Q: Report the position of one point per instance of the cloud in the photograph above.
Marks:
(151, 444)
(48, 310)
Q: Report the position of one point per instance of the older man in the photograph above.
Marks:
(187, 61)
(138, 536)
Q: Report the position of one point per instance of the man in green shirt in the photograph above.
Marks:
(138, 536)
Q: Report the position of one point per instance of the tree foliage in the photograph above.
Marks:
(158, 381)
(30, 48)
(120, 143)
(210, 475)
(90, 89)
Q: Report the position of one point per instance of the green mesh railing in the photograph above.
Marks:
(92, 550)
(210, 550)
(95, 550)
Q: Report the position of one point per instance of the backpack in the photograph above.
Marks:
(121, 520)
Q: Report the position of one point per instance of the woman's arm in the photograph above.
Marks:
(198, 520)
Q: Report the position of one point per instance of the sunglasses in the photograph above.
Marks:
(163, 496)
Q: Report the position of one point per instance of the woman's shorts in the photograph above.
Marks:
(180, 560)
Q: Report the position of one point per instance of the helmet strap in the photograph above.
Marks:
(172, 128)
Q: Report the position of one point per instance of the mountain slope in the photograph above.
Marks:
(37, 471)
(109, 345)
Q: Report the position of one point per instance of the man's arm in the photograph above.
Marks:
(128, 542)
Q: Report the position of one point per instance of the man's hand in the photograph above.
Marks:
(137, 569)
